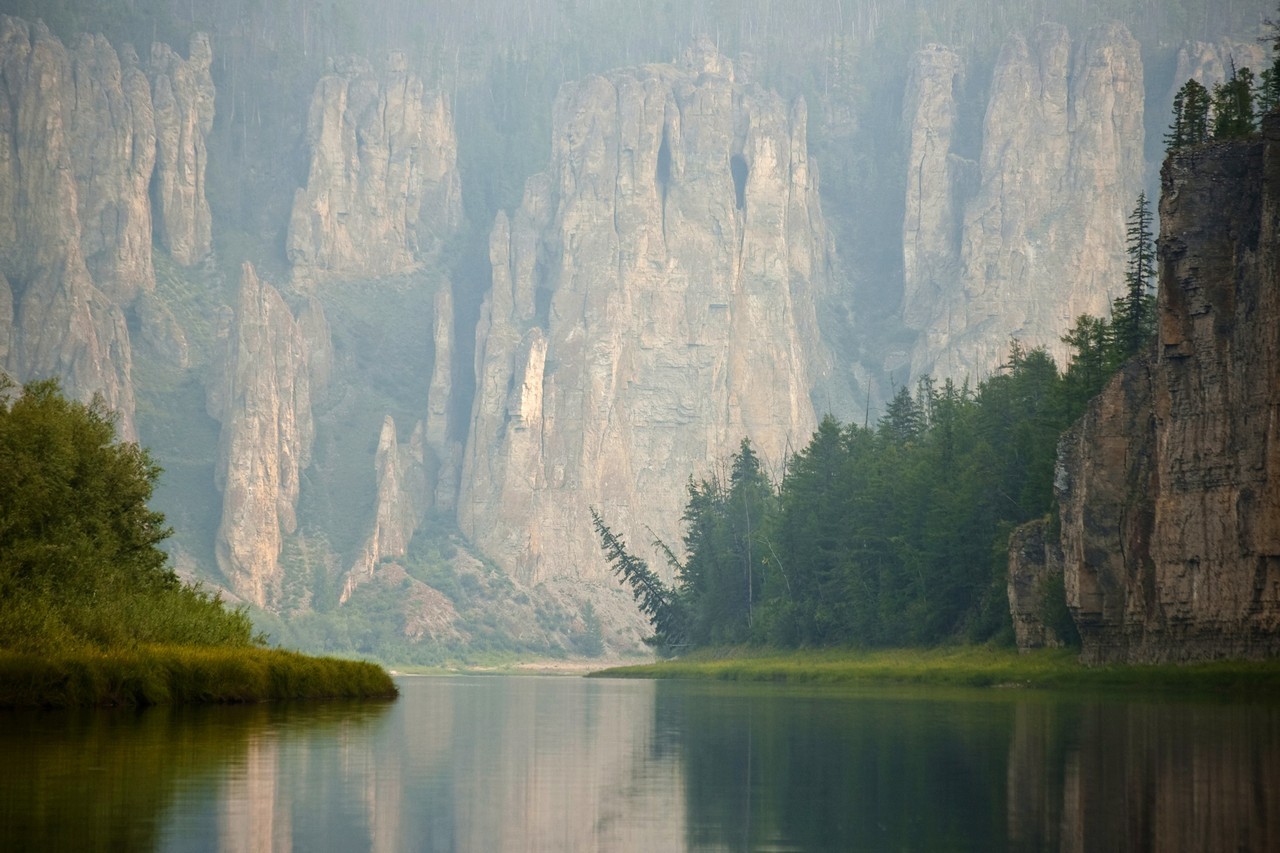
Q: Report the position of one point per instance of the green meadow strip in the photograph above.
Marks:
(156, 675)
(959, 667)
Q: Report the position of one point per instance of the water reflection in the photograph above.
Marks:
(531, 764)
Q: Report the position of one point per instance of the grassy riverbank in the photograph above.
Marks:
(155, 675)
(958, 667)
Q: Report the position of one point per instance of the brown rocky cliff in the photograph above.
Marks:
(1169, 487)
(652, 304)
(262, 398)
(383, 187)
(1042, 238)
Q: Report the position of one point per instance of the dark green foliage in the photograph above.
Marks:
(894, 535)
(1133, 314)
(657, 601)
(79, 557)
(1233, 110)
(1190, 117)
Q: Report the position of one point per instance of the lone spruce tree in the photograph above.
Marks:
(1133, 314)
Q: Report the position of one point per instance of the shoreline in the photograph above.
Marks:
(960, 666)
(181, 675)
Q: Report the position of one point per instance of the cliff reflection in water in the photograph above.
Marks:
(1145, 776)
(532, 764)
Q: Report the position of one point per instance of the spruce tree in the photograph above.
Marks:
(1233, 112)
(1133, 315)
(1190, 117)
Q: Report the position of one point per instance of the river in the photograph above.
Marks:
(528, 763)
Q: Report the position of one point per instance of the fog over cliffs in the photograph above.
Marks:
(397, 293)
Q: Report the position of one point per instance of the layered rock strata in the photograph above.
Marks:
(262, 398)
(1169, 486)
(1041, 240)
(652, 304)
(183, 94)
(382, 187)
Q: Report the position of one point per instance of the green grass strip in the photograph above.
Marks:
(959, 667)
(157, 675)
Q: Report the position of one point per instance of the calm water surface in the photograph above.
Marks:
(551, 764)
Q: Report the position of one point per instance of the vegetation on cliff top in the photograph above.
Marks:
(90, 612)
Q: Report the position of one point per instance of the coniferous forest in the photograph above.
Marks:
(892, 533)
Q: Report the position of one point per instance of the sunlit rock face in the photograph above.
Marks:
(263, 401)
(182, 94)
(652, 304)
(383, 185)
(1041, 239)
(55, 321)
(1169, 487)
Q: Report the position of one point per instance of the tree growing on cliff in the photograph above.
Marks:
(1133, 313)
(1233, 107)
(1190, 117)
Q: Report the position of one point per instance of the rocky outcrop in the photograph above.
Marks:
(401, 495)
(262, 399)
(182, 92)
(62, 324)
(1209, 63)
(383, 186)
(445, 465)
(1042, 239)
(113, 150)
(1169, 487)
(652, 304)
(1034, 577)
(931, 224)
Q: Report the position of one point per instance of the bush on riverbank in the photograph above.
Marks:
(90, 612)
(153, 675)
(961, 666)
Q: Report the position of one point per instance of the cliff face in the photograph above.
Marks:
(652, 303)
(1169, 487)
(263, 400)
(183, 97)
(383, 186)
(1041, 240)
(61, 324)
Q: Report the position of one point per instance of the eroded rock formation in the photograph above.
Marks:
(1169, 487)
(652, 304)
(182, 93)
(383, 186)
(402, 492)
(61, 323)
(262, 399)
(1041, 240)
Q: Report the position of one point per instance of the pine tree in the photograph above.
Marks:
(657, 601)
(1269, 79)
(1190, 117)
(1233, 112)
(1133, 314)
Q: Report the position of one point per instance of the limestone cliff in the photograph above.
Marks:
(652, 303)
(399, 505)
(1169, 486)
(112, 137)
(262, 399)
(182, 92)
(60, 323)
(383, 186)
(1041, 241)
